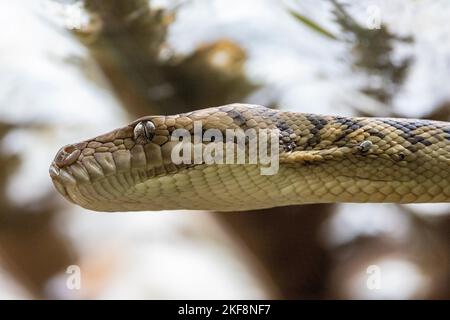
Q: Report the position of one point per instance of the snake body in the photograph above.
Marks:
(322, 159)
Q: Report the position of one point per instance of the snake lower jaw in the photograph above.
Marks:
(90, 185)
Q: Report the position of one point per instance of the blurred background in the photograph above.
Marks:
(70, 70)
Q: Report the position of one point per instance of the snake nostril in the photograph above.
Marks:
(69, 148)
(67, 155)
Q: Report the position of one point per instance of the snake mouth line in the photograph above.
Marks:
(78, 185)
(114, 160)
(58, 181)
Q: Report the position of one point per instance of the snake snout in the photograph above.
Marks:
(67, 155)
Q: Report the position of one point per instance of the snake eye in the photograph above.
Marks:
(144, 132)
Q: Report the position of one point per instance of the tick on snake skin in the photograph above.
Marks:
(365, 146)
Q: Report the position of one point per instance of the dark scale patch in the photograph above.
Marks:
(351, 124)
(318, 123)
(267, 112)
(238, 118)
(376, 133)
(447, 133)
(407, 129)
(289, 146)
(422, 140)
(285, 132)
(282, 126)
(414, 140)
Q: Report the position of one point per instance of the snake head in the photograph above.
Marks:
(132, 168)
(96, 161)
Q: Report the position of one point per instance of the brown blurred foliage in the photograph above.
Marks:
(30, 247)
(127, 39)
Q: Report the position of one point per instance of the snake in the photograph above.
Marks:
(320, 159)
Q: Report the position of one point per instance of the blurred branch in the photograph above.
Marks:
(312, 24)
(287, 242)
(372, 50)
(440, 112)
(128, 40)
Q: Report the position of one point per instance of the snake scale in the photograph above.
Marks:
(322, 159)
